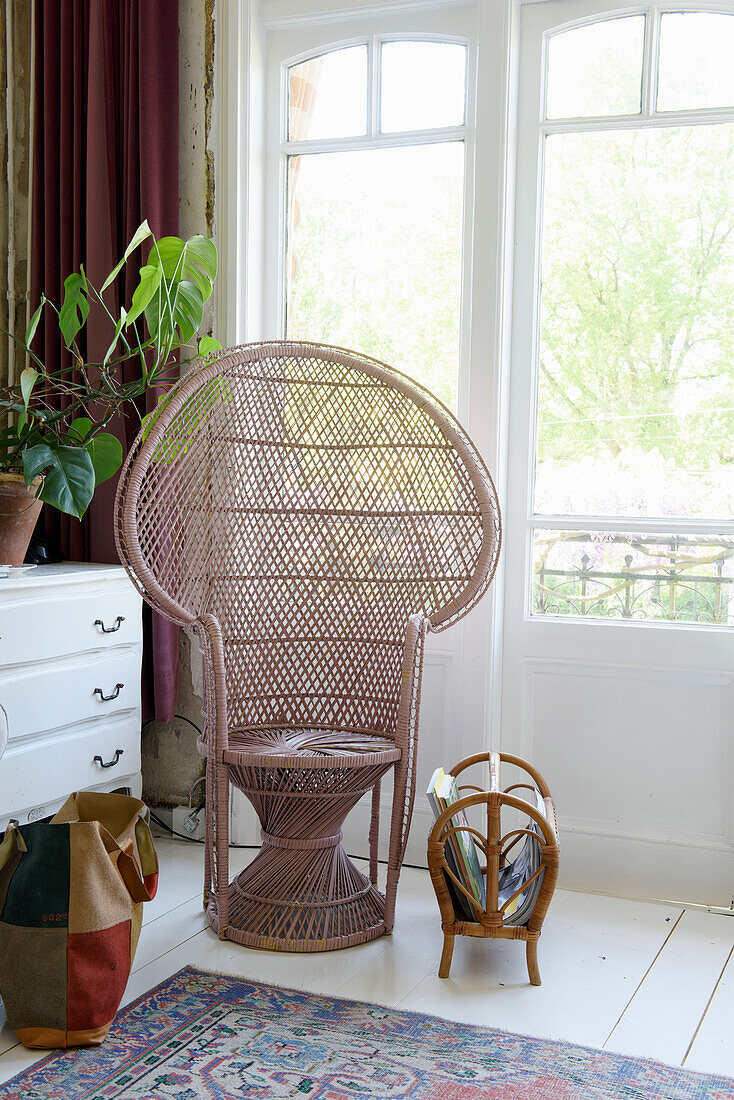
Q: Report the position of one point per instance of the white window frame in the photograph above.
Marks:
(376, 139)
(528, 349)
(275, 303)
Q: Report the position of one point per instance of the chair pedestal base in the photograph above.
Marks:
(333, 905)
(302, 892)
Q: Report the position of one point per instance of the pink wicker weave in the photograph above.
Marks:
(311, 514)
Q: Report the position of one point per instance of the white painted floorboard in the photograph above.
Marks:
(594, 952)
(638, 977)
(665, 1012)
(712, 1049)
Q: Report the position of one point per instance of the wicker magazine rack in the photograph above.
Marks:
(494, 847)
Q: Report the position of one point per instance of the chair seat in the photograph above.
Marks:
(311, 748)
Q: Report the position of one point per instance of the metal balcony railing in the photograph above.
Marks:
(673, 579)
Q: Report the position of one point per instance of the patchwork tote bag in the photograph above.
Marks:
(71, 894)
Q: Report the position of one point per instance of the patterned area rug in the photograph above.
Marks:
(202, 1036)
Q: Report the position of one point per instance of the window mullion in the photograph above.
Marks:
(650, 63)
(373, 87)
(379, 141)
(709, 116)
(633, 524)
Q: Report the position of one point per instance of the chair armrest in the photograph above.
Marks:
(216, 725)
(406, 737)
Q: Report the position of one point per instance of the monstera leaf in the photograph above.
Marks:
(182, 309)
(104, 449)
(195, 259)
(141, 234)
(75, 306)
(68, 476)
(176, 281)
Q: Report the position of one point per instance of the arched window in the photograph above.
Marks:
(373, 154)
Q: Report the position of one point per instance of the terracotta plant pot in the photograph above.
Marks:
(19, 511)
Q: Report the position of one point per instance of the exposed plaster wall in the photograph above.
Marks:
(15, 88)
(171, 764)
(196, 71)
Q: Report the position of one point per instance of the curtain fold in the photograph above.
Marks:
(105, 156)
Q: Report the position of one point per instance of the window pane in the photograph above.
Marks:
(696, 61)
(327, 96)
(374, 259)
(636, 355)
(671, 578)
(596, 69)
(423, 85)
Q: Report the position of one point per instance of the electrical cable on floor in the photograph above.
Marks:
(191, 839)
(195, 840)
(181, 836)
(162, 824)
(253, 847)
(201, 779)
(181, 716)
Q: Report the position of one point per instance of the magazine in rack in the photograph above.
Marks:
(462, 859)
(520, 869)
(461, 853)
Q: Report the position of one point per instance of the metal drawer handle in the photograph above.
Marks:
(110, 629)
(113, 695)
(110, 763)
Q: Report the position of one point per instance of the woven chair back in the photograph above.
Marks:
(312, 500)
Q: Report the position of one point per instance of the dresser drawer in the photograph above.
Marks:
(64, 693)
(75, 622)
(35, 775)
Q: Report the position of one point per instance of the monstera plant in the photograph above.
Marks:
(56, 446)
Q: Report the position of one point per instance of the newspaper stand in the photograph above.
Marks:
(493, 848)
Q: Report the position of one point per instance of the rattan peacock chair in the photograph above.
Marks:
(311, 514)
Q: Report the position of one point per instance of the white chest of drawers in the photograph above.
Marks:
(70, 657)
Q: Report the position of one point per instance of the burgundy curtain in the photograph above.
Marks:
(105, 156)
